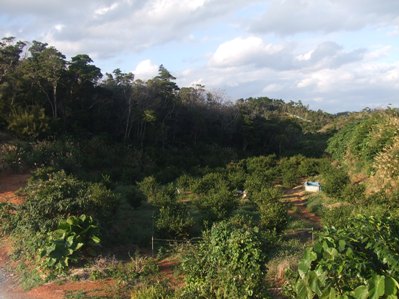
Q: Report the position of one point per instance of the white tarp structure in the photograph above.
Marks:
(312, 186)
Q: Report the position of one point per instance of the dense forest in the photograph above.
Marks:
(125, 174)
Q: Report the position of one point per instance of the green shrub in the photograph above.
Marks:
(359, 260)
(30, 122)
(184, 182)
(131, 194)
(273, 213)
(173, 220)
(149, 187)
(236, 175)
(160, 290)
(7, 219)
(309, 167)
(209, 182)
(227, 263)
(335, 181)
(315, 204)
(59, 195)
(354, 193)
(337, 216)
(217, 204)
(66, 245)
(258, 180)
(289, 168)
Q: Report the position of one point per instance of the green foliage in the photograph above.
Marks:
(29, 123)
(65, 245)
(273, 213)
(173, 220)
(60, 195)
(315, 203)
(136, 269)
(258, 180)
(338, 144)
(354, 193)
(7, 220)
(335, 181)
(289, 168)
(359, 260)
(149, 187)
(131, 194)
(217, 203)
(309, 167)
(209, 182)
(158, 291)
(227, 263)
(262, 172)
(368, 146)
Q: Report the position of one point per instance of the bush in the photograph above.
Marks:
(337, 216)
(217, 204)
(7, 219)
(131, 194)
(227, 263)
(67, 244)
(359, 260)
(30, 122)
(354, 193)
(273, 213)
(157, 291)
(173, 220)
(209, 182)
(335, 181)
(315, 204)
(289, 168)
(149, 187)
(309, 167)
(60, 195)
(258, 180)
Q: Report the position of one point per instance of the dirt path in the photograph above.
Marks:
(9, 289)
(9, 184)
(297, 198)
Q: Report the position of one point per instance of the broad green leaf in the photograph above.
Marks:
(377, 286)
(391, 287)
(329, 293)
(78, 246)
(96, 239)
(341, 245)
(361, 292)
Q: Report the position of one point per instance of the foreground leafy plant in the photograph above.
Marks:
(66, 244)
(228, 263)
(359, 260)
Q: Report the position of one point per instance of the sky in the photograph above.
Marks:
(334, 55)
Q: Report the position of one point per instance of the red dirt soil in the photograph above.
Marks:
(296, 197)
(9, 184)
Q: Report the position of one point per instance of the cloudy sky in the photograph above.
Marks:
(335, 55)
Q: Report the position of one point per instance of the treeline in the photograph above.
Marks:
(42, 95)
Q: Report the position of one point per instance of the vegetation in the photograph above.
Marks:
(359, 260)
(228, 263)
(119, 165)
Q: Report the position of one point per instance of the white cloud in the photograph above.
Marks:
(294, 16)
(104, 10)
(253, 51)
(241, 51)
(59, 27)
(145, 70)
(113, 27)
